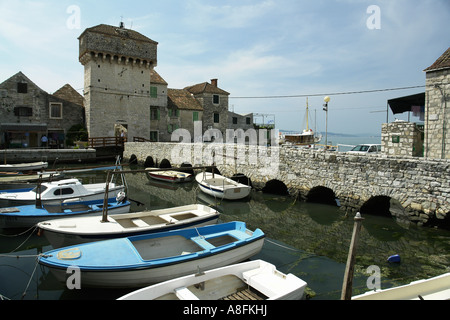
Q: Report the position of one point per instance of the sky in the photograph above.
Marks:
(268, 54)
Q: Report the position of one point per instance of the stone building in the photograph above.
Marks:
(215, 107)
(437, 114)
(117, 64)
(28, 113)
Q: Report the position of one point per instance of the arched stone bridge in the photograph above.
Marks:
(421, 186)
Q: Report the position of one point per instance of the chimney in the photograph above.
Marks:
(214, 82)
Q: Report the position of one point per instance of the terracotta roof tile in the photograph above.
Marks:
(443, 62)
(156, 78)
(183, 100)
(205, 87)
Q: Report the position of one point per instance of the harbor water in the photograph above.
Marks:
(306, 239)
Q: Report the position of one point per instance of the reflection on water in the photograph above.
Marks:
(309, 240)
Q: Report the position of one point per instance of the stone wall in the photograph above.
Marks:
(421, 186)
(437, 114)
(402, 138)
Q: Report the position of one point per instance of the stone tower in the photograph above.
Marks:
(117, 65)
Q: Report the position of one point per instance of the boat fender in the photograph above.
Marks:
(121, 196)
(394, 259)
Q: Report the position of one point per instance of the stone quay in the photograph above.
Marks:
(419, 187)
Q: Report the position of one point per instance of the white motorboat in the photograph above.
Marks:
(222, 187)
(253, 280)
(147, 259)
(71, 231)
(56, 191)
(169, 175)
(437, 288)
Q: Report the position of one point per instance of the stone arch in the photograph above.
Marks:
(242, 178)
(133, 159)
(165, 164)
(275, 186)
(187, 167)
(434, 221)
(149, 162)
(322, 195)
(384, 206)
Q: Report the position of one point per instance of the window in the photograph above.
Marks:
(154, 113)
(234, 120)
(216, 99)
(216, 118)
(154, 136)
(55, 110)
(174, 112)
(195, 116)
(153, 92)
(22, 87)
(63, 191)
(247, 120)
(23, 111)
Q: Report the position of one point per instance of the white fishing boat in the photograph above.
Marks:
(306, 138)
(56, 191)
(253, 280)
(71, 231)
(169, 175)
(222, 187)
(29, 215)
(18, 167)
(143, 260)
(437, 288)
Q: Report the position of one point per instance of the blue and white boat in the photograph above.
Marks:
(222, 187)
(29, 215)
(72, 231)
(143, 260)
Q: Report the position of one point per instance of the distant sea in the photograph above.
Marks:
(347, 140)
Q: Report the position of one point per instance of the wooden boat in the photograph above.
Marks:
(147, 259)
(29, 215)
(306, 138)
(253, 280)
(221, 187)
(437, 288)
(71, 231)
(18, 167)
(27, 178)
(56, 191)
(169, 175)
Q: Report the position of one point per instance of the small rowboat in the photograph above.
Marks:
(222, 187)
(29, 215)
(253, 280)
(169, 175)
(32, 166)
(142, 260)
(437, 288)
(71, 231)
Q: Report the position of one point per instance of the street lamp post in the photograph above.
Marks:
(325, 108)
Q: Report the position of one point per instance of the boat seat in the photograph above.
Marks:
(139, 223)
(203, 243)
(184, 293)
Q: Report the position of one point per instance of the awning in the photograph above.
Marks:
(23, 127)
(405, 104)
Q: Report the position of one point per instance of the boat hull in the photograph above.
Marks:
(262, 278)
(68, 232)
(17, 220)
(33, 166)
(100, 195)
(170, 176)
(144, 260)
(221, 187)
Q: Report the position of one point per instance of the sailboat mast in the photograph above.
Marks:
(307, 111)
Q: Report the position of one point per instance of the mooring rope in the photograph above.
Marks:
(32, 228)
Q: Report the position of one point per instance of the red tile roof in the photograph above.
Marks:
(442, 63)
